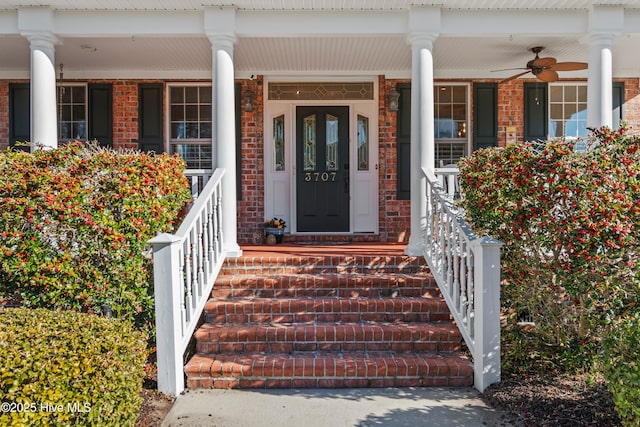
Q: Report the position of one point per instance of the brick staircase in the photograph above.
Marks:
(309, 321)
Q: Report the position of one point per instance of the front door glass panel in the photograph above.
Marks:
(309, 146)
(332, 142)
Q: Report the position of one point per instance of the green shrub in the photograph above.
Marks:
(621, 365)
(74, 224)
(66, 368)
(570, 224)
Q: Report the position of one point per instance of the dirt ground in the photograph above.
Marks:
(155, 405)
(554, 400)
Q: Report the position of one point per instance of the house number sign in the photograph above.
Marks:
(317, 176)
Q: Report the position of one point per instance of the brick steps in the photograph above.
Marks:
(359, 264)
(325, 285)
(286, 310)
(438, 337)
(327, 321)
(327, 370)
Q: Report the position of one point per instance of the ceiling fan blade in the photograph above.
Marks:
(510, 69)
(513, 77)
(548, 76)
(543, 62)
(568, 66)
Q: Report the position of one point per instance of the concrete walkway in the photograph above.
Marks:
(333, 408)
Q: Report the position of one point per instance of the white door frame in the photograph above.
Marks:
(280, 187)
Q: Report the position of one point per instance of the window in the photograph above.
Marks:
(278, 138)
(363, 143)
(450, 126)
(190, 116)
(568, 110)
(321, 90)
(72, 113)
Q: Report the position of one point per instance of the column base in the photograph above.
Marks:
(233, 251)
(414, 249)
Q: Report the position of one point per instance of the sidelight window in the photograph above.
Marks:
(278, 138)
(363, 143)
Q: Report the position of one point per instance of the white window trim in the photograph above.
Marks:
(59, 110)
(170, 142)
(549, 104)
(468, 145)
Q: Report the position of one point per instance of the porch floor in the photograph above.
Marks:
(324, 249)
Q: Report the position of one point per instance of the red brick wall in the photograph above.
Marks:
(631, 108)
(395, 215)
(4, 114)
(125, 114)
(251, 205)
(510, 109)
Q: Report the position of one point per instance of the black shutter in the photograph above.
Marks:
(535, 112)
(485, 115)
(100, 114)
(618, 102)
(19, 115)
(150, 118)
(238, 104)
(403, 134)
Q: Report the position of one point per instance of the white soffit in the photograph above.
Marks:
(312, 4)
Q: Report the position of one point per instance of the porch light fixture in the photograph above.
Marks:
(247, 100)
(393, 99)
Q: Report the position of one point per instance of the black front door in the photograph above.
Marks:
(322, 177)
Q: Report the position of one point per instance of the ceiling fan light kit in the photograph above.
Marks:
(545, 69)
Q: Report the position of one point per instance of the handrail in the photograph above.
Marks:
(467, 270)
(185, 266)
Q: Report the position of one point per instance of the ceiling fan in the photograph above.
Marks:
(545, 69)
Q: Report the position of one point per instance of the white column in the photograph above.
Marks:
(599, 85)
(224, 127)
(422, 135)
(44, 125)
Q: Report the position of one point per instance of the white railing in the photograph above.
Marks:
(467, 270)
(198, 179)
(448, 179)
(185, 265)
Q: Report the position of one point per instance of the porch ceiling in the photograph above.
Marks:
(190, 57)
(130, 51)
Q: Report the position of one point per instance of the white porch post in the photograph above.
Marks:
(224, 123)
(422, 118)
(604, 23)
(486, 360)
(599, 83)
(34, 24)
(169, 294)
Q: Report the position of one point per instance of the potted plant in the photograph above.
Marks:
(275, 227)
